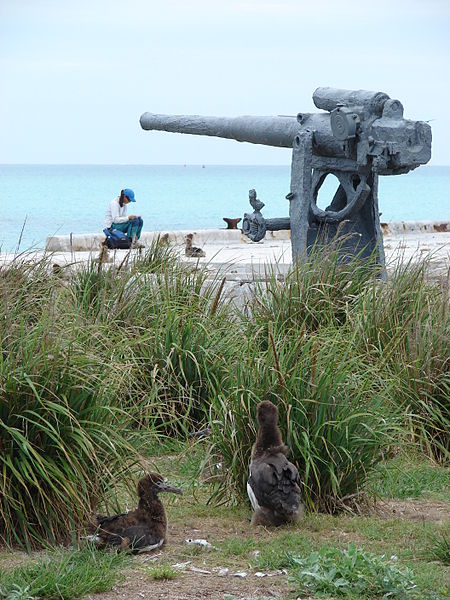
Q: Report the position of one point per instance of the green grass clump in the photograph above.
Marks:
(237, 547)
(63, 435)
(439, 549)
(92, 367)
(351, 573)
(156, 258)
(64, 574)
(180, 336)
(162, 572)
(331, 413)
(318, 293)
(64, 438)
(404, 325)
(356, 366)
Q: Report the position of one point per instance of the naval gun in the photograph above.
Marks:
(358, 136)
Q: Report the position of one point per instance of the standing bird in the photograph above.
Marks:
(140, 530)
(191, 250)
(273, 486)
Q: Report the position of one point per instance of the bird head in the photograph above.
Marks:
(267, 413)
(153, 483)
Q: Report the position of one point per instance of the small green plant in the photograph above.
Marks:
(63, 575)
(237, 547)
(278, 554)
(352, 572)
(440, 549)
(162, 572)
(17, 593)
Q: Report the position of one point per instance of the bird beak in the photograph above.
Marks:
(165, 487)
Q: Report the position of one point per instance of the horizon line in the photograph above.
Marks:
(29, 164)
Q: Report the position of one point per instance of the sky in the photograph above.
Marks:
(76, 75)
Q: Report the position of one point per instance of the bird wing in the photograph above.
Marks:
(276, 483)
(131, 531)
(104, 519)
(142, 539)
(110, 530)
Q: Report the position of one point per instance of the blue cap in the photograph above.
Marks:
(129, 194)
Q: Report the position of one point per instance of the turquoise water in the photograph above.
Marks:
(60, 199)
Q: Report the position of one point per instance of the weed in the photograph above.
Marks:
(162, 572)
(237, 547)
(352, 572)
(439, 549)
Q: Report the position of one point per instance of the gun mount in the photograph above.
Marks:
(361, 135)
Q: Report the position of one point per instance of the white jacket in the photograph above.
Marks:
(115, 213)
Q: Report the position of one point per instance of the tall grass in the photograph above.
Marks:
(178, 356)
(332, 346)
(318, 293)
(404, 326)
(91, 367)
(332, 417)
(63, 434)
(96, 366)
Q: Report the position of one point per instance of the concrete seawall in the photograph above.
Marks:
(88, 242)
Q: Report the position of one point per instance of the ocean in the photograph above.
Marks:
(46, 200)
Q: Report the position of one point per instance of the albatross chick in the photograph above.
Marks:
(140, 530)
(191, 250)
(273, 486)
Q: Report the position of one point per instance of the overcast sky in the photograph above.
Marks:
(77, 74)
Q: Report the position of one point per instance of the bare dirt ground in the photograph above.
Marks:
(415, 510)
(202, 575)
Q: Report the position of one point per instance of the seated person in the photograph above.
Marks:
(116, 216)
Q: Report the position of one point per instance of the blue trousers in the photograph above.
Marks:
(132, 228)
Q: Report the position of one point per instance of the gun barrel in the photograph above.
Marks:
(327, 98)
(368, 129)
(269, 131)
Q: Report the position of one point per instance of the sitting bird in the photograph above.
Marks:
(103, 256)
(273, 486)
(191, 250)
(255, 203)
(163, 240)
(140, 530)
